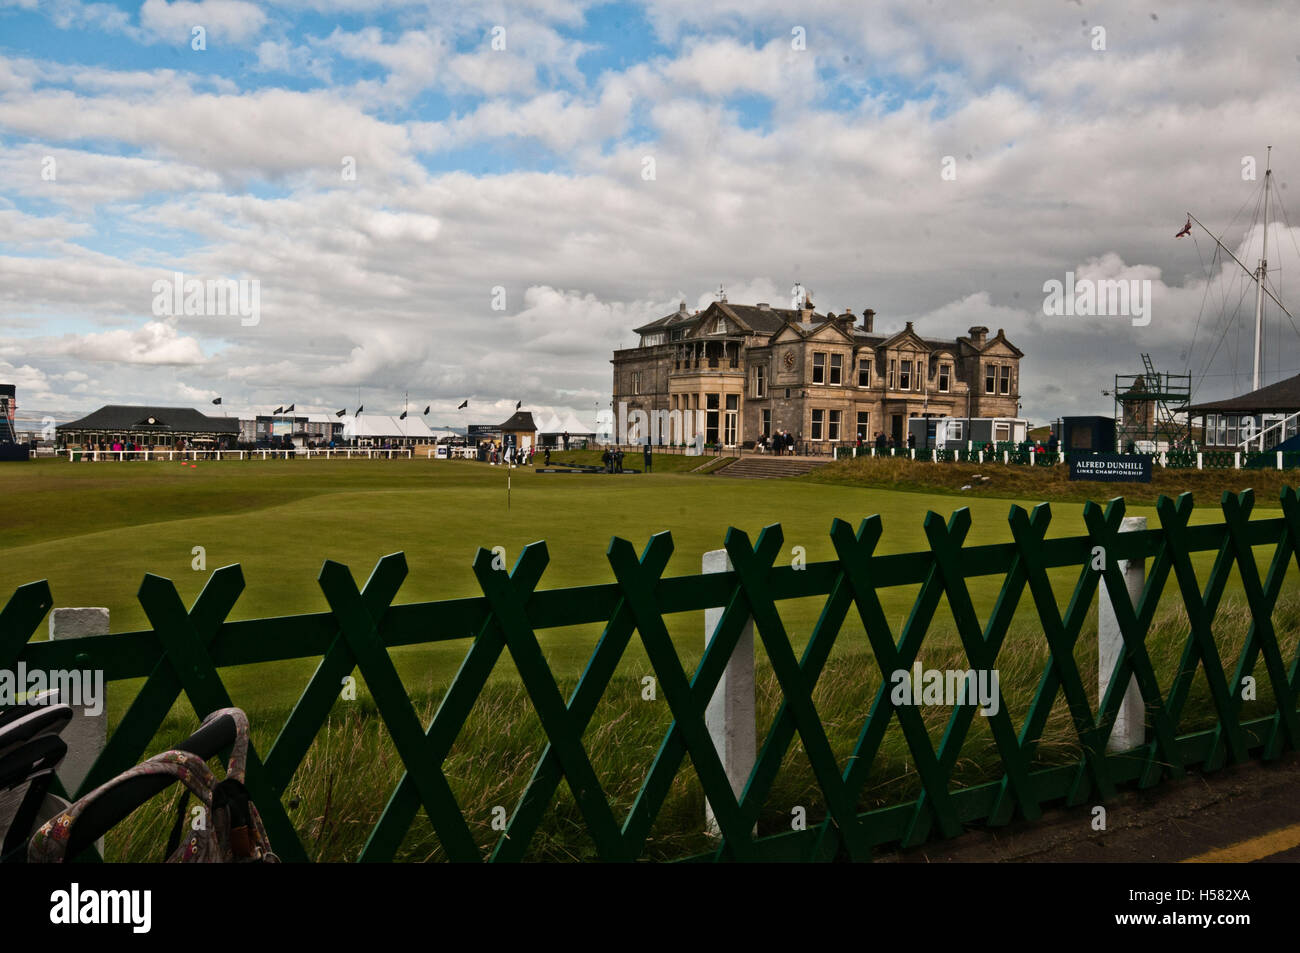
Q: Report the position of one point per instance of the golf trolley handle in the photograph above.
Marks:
(117, 800)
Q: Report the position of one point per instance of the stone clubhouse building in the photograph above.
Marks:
(826, 378)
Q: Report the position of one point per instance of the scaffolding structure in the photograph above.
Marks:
(1151, 409)
(8, 408)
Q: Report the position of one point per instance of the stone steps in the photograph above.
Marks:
(771, 468)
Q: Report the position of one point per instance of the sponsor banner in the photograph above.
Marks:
(1112, 468)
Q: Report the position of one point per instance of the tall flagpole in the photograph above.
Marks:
(1259, 277)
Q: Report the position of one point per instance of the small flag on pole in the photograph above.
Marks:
(341, 412)
(217, 401)
(289, 409)
(427, 409)
(402, 415)
(361, 408)
(518, 404)
(1187, 229)
(278, 410)
(463, 405)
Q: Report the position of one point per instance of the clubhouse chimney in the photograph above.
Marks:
(978, 335)
(868, 320)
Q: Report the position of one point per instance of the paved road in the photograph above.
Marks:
(1245, 814)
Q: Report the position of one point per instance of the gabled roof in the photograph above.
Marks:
(1284, 396)
(750, 317)
(521, 421)
(907, 334)
(1000, 336)
(125, 417)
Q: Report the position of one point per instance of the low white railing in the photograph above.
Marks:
(369, 453)
(1258, 438)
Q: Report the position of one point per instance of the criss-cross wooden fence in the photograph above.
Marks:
(186, 649)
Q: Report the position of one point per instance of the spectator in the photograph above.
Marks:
(911, 441)
(546, 456)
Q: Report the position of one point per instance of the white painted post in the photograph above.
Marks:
(981, 456)
(1200, 460)
(730, 714)
(1006, 457)
(86, 734)
(1236, 460)
(1130, 721)
(1279, 459)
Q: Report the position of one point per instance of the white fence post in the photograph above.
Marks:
(1279, 459)
(730, 714)
(86, 734)
(1200, 460)
(1236, 460)
(1130, 721)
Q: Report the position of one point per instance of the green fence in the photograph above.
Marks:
(1009, 453)
(186, 649)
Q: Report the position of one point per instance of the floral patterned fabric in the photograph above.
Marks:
(215, 842)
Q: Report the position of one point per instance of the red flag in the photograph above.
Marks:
(1187, 229)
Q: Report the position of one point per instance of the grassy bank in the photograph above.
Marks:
(1045, 483)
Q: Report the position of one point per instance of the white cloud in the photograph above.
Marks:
(173, 22)
(154, 343)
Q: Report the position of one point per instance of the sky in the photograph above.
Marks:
(480, 201)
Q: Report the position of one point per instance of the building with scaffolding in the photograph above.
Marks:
(10, 448)
(1151, 410)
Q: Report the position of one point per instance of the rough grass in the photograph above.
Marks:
(1044, 483)
(343, 784)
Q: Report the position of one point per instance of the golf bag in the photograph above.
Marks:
(30, 750)
(227, 830)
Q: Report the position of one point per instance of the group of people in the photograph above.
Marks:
(511, 456)
(613, 460)
(883, 442)
(780, 443)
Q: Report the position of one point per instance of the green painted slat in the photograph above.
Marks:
(557, 721)
(395, 708)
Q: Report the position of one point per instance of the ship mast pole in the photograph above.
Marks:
(1259, 278)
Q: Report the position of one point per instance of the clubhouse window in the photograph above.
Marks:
(905, 375)
(819, 368)
(990, 378)
(945, 377)
(833, 431)
(1004, 379)
(837, 368)
(818, 420)
(864, 424)
(864, 372)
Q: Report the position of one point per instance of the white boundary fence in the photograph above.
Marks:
(344, 452)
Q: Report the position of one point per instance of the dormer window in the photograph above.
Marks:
(721, 327)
